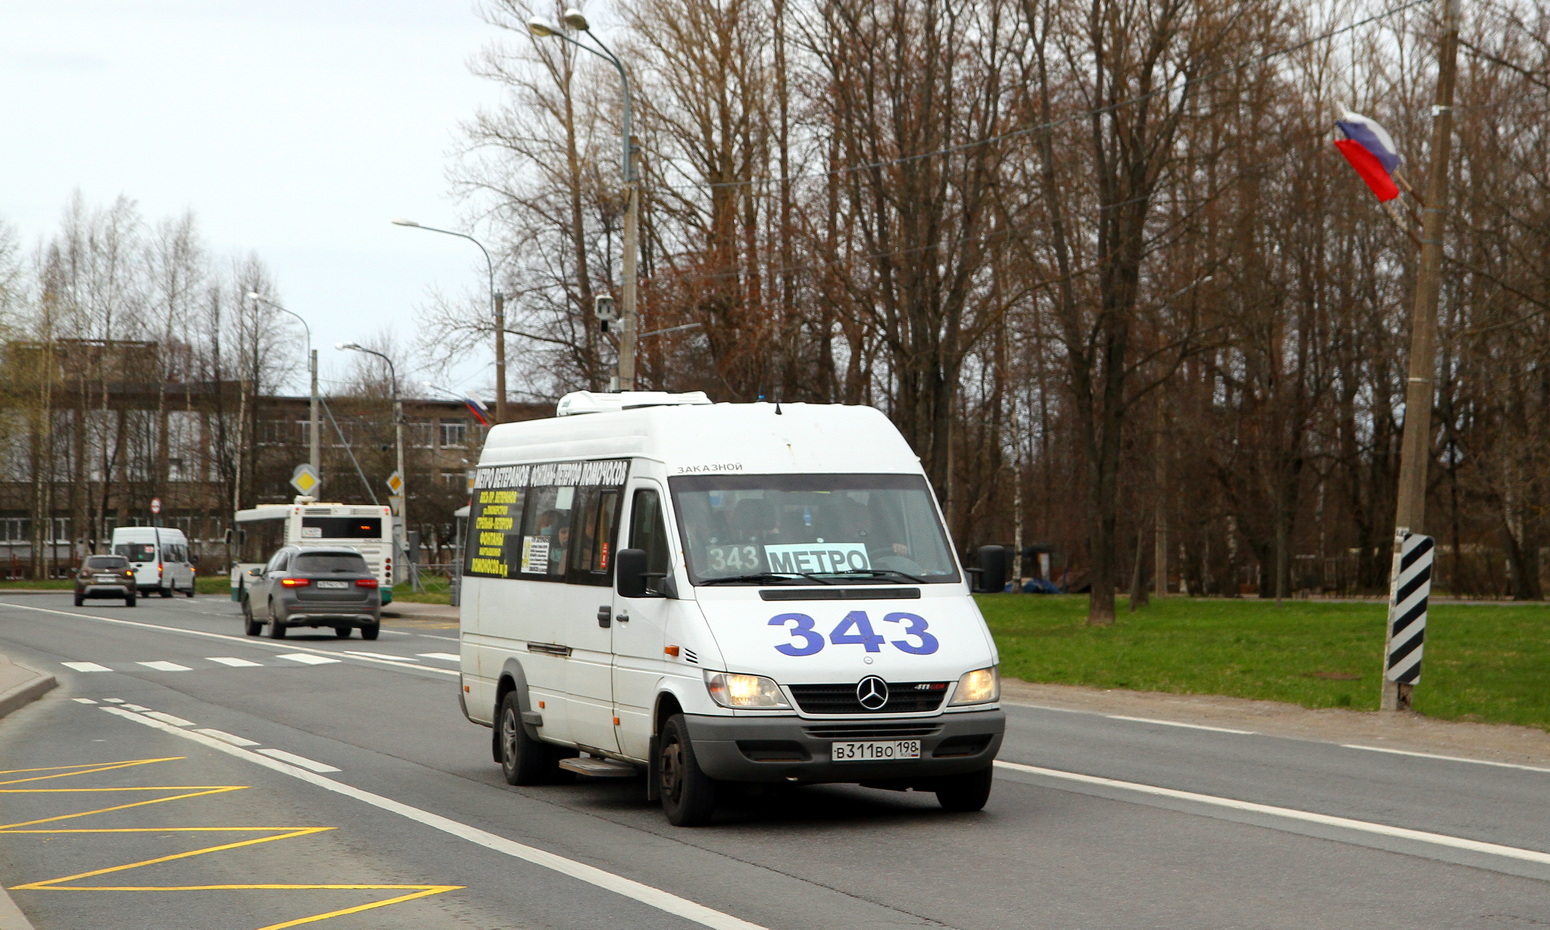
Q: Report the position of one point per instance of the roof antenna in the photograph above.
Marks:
(777, 406)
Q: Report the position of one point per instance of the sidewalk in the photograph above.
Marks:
(408, 610)
(19, 686)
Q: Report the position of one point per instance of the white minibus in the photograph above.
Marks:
(716, 594)
(159, 556)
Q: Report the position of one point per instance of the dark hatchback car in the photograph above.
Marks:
(313, 586)
(105, 576)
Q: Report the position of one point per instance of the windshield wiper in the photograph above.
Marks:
(765, 577)
(883, 573)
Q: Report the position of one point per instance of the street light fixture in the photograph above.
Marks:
(398, 437)
(573, 19)
(314, 448)
(497, 300)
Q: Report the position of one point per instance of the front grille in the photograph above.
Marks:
(905, 697)
(879, 730)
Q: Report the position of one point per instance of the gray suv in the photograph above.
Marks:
(316, 586)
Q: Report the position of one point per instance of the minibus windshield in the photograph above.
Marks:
(802, 529)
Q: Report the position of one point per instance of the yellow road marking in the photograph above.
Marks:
(80, 769)
(182, 792)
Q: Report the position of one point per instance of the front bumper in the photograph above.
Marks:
(796, 749)
(105, 590)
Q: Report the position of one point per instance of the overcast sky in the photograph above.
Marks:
(294, 129)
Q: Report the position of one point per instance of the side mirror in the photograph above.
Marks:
(255, 573)
(630, 572)
(992, 569)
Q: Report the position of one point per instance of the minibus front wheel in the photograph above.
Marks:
(966, 793)
(688, 794)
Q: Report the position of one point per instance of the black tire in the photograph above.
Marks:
(524, 760)
(129, 600)
(688, 794)
(250, 624)
(166, 592)
(964, 794)
(370, 630)
(276, 628)
(343, 632)
(80, 600)
(190, 591)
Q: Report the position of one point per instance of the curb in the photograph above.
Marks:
(21, 685)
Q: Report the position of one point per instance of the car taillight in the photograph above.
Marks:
(158, 569)
(365, 582)
(129, 574)
(295, 582)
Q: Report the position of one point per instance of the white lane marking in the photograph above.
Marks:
(234, 662)
(83, 700)
(638, 891)
(225, 737)
(246, 641)
(302, 761)
(137, 708)
(86, 666)
(441, 655)
(379, 655)
(168, 718)
(1362, 826)
(1175, 723)
(1427, 755)
(113, 700)
(307, 658)
(165, 666)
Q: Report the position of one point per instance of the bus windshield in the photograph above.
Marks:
(827, 528)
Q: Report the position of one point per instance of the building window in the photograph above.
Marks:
(454, 432)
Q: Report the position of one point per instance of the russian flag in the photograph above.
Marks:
(479, 410)
(1371, 151)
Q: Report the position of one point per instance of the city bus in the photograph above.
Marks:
(258, 532)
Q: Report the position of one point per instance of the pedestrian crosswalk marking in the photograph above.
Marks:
(307, 658)
(87, 667)
(165, 666)
(234, 663)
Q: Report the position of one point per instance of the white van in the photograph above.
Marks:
(723, 593)
(159, 556)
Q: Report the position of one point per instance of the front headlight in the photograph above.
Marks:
(980, 686)
(731, 690)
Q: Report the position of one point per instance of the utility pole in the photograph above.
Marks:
(1415, 448)
(500, 350)
(629, 324)
(314, 445)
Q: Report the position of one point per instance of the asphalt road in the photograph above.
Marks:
(184, 775)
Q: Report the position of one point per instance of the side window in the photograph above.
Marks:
(648, 531)
(591, 558)
(544, 546)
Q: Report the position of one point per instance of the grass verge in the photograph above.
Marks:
(1484, 662)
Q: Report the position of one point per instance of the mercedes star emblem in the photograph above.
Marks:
(872, 692)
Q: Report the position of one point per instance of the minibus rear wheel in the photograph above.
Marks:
(688, 794)
(524, 760)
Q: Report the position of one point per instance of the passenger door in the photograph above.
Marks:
(588, 569)
(639, 630)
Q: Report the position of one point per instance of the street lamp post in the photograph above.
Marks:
(628, 325)
(314, 448)
(398, 437)
(497, 300)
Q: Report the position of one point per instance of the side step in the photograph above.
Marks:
(599, 768)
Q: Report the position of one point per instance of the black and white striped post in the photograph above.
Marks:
(1409, 589)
